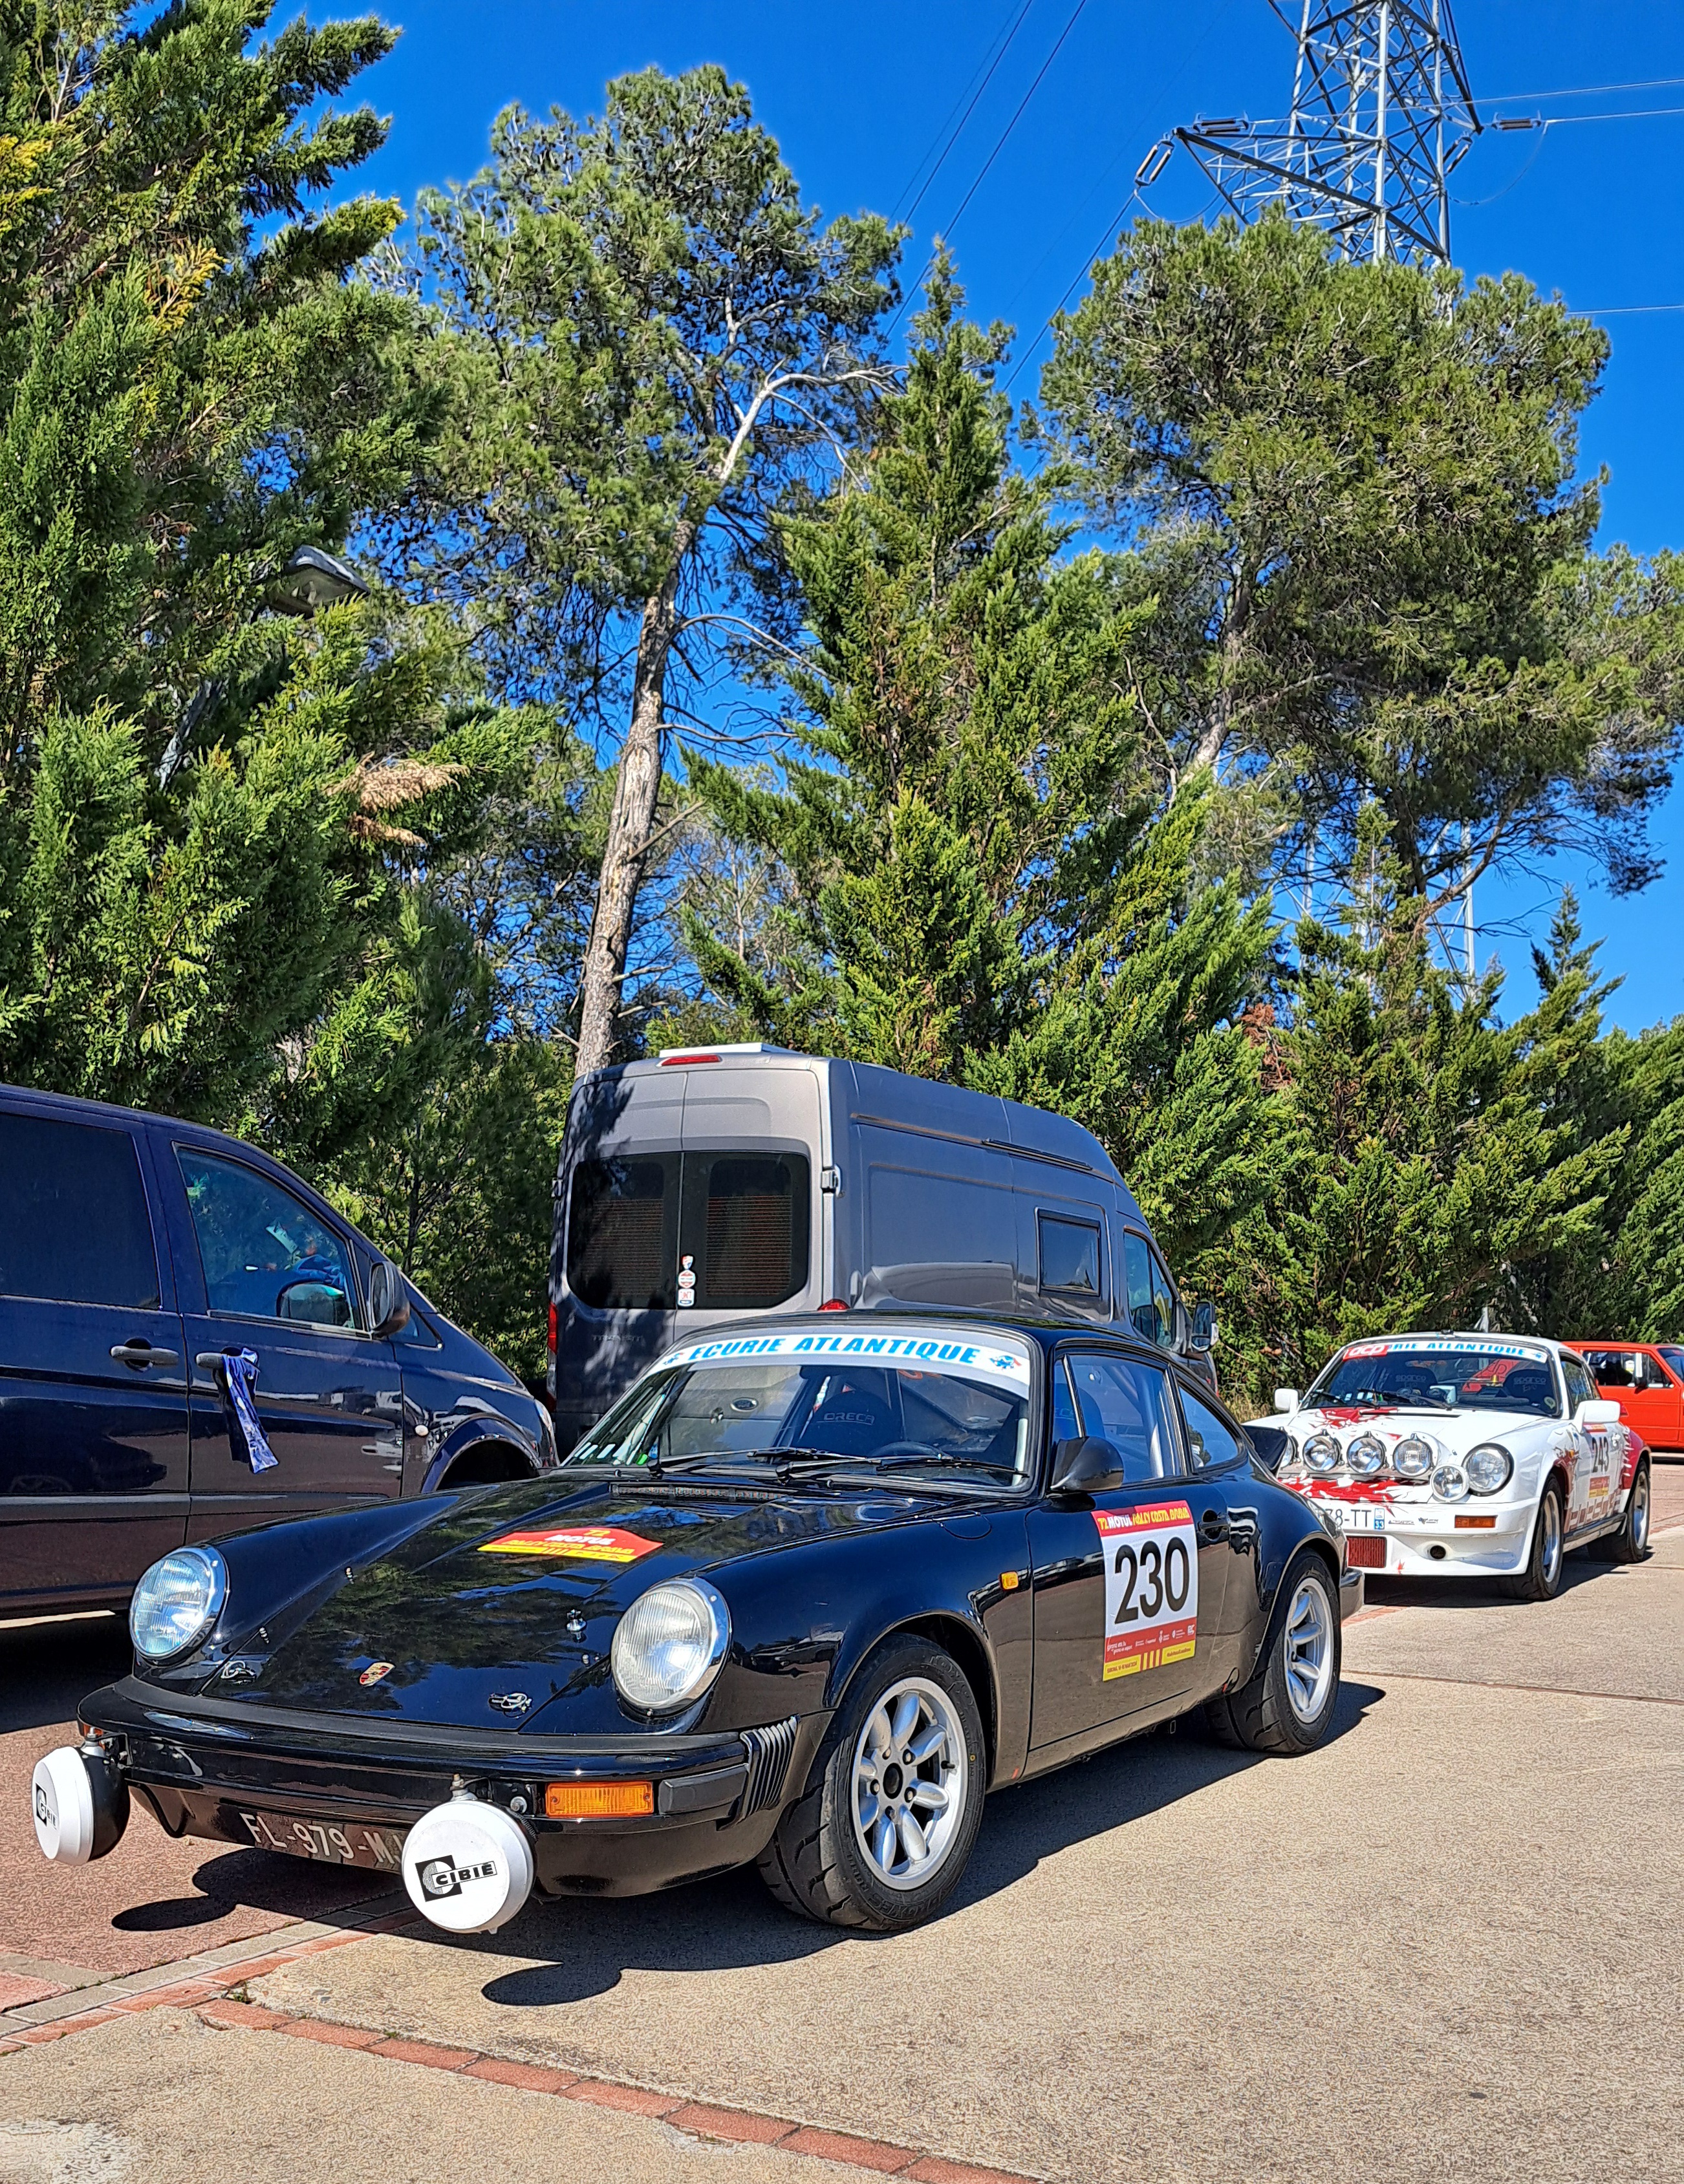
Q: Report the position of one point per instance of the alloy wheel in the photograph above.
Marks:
(1308, 1639)
(910, 1782)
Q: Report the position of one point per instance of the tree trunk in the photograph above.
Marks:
(631, 822)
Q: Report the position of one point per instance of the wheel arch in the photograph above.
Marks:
(968, 1647)
(485, 1459)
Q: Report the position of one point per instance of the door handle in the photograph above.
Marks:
(1214, 1525)
(138, 1353)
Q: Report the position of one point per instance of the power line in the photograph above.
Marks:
(1508, 122)
(999, 147)
(1589, 90)
(998, 52)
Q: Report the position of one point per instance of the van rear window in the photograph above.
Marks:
(622, 1234)
(721, 1231)
(745, 1227)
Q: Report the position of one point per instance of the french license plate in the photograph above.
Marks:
(329, 1842)
(1355, 1519)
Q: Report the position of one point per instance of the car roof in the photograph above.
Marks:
(108, 1111)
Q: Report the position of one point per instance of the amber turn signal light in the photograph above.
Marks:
(1475, 1523)
(598, 1801)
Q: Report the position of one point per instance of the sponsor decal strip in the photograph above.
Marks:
(983, 1360)
(581, 1543)
(1449, 1345)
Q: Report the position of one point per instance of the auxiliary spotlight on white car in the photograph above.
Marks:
(1466, 1455)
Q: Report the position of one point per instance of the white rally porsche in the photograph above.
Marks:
(1465, 1456)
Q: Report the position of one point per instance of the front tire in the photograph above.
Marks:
(1287, 1707)
(1540, 1580)
(882, 1833)
(1630, 1543)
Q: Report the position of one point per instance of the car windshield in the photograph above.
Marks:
(908, 1401)
(1414, 1374)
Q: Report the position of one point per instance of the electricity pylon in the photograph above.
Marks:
(1381, 114)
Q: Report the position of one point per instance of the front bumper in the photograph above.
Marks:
(201, 1765)
(1424, 1539)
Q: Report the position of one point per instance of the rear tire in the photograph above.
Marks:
(1287, 1708)
(1540, 1580)
(1630, 1543)
(846, 1850)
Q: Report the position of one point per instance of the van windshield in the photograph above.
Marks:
(908, 1401)
(719, 1231)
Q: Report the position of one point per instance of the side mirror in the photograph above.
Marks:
(1601, 1413)
(1271, 1444)
(1203, 1335)
(1086, 1467)
(388, 1303)
(1286, 1399)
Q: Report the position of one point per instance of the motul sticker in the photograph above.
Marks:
(581, 1543)
(1152, 1586)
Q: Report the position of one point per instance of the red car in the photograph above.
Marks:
(1647, 1380)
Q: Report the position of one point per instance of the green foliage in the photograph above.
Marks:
(1350, 487)
(1425, 1157)
(986, 880)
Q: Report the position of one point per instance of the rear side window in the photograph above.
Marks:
(623, 1232)
(1069, 1258)
(745, 1228)
(74, 1224)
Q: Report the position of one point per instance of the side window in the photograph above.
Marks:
(1209, 1439)
(1164, 1304)
(418, 1331)
(74, 1224)
(1615, 1368)
(1581, 1388)
(1069, 1258)
(1131, 1406)
(1064, 1423)
(1137, 1262)
(266, 1255)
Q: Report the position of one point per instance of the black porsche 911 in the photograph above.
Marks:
(804, 1595)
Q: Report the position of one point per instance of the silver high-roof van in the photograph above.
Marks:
(719, 1181)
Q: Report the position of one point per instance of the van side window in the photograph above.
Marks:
(1070, 1257)
(623, 1232)
(74, 1225)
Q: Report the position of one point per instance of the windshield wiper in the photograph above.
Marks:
(945, 1459)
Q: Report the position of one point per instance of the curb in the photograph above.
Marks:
(208, 1997)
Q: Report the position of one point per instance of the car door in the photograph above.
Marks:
(1666, 1400)
(93, 1412)
(269, 1274)
(1221, 1489)
(1126, 1597)
(1587, 1498)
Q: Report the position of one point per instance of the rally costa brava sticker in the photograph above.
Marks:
(582, 1543)
(1152, 1586)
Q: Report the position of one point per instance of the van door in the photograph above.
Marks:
(748, 1220)
(93, 1408)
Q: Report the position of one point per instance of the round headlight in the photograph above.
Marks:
(177, 1602)
(1448, 1482)
(669, 1644)
(1489, 1468)
(1412, 1458)
(1321, 1452)
(1366, 1457)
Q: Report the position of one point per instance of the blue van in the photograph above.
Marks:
(138, 1256)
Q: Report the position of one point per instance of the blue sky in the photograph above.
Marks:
(855, 95)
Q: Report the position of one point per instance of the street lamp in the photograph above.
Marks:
(307, 579)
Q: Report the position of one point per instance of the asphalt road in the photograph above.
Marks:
(1446, 1945)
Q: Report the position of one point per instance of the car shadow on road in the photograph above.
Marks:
(730, 1923)
(1579, 1569)
(261, 1881)
(48, 1668)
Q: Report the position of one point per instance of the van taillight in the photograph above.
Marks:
(684, 1061)
(552, 1330)
(834, 1305)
